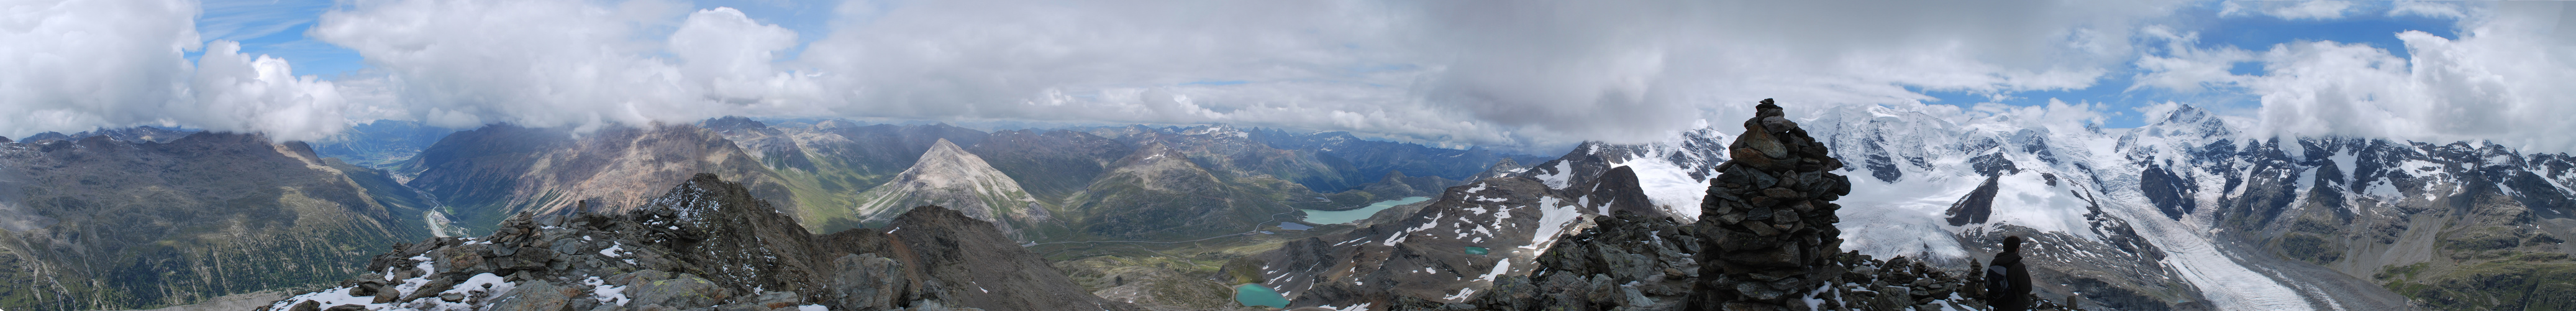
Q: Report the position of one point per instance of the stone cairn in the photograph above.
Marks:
(1768, 219)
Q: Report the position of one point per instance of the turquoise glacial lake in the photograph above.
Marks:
(1343, 217)
(1257, 295)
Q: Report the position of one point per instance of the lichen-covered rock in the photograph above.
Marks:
(682, 292)
(867, 281)
(537, 296)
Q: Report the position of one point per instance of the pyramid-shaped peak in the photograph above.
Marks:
(945, 162)
(943, 144)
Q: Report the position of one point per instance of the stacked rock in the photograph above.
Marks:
(1768, 220)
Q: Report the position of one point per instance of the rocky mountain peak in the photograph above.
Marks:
(947, 175)
(946, 165)
(1617, 191)
(1503, 167)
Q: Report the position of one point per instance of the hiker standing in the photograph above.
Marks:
(2007, 283)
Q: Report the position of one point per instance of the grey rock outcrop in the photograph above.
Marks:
(709, 244)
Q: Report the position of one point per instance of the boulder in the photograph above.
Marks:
(537, 296)
(683, 292)
(868, 282)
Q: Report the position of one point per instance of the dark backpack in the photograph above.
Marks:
(1998, 282)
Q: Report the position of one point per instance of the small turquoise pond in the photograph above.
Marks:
(1343, 217)
(1471, 250)
(1256, 295)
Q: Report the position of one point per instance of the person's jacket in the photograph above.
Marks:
(2017, 296)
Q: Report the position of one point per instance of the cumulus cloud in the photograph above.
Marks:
(79, 65)
(2184, 66)
(1511, 73)
(2291, 10)
(537, 63)
(2501, 80)
(69, 67)
(235, 92)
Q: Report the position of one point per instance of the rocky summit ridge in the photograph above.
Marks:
(709, 245)
(1765, 240)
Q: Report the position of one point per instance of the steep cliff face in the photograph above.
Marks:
(948, 176)
(711, 243)
(487, 174)
(102, 223)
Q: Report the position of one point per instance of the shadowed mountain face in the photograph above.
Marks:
(102, 223)
(1052, 165)
(490, 173)
(1158, 192)
(711, 243)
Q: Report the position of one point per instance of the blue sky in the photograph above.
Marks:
(2251, 32)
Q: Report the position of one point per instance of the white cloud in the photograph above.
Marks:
(2290, 10)
(79, 65)
(2312, 9)
(1528, 74)
(83, 64)
(1517, 73)
(2185, 67)
(1496, 73)
(2503, 80)
(535, 63)
(235, 92)
(729, 55)
(2432, 9)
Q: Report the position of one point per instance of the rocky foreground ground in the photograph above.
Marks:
(708, 245)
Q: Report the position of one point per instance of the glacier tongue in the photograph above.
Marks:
(2226, 283)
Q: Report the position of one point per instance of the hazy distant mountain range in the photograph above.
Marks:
(2188, 212)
